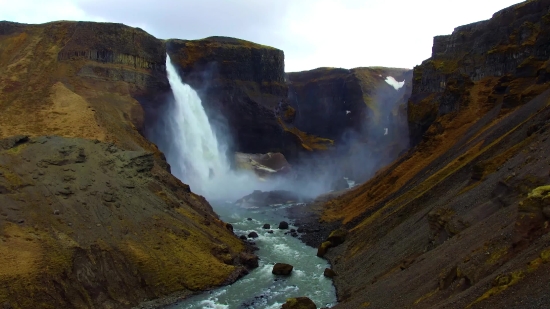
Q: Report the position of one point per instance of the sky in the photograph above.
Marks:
(312, 33)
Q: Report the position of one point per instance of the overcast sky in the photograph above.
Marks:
(312, 33)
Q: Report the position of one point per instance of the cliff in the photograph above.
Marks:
(90, 215)
(461, 220)
(79, 79)
(498, 61)
(330, 101)
(358, 110)
(243, 84)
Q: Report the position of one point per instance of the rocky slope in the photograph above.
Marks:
(95, 222)
(85, 224)
(461, 220)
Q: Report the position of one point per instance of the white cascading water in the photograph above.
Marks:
(195, 156)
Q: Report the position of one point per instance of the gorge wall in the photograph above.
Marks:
(506, 55)
(358, 110)
(90, 216)
(461, 219)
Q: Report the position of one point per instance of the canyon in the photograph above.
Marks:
(452, 210)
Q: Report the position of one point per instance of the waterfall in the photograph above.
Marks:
(194, 153)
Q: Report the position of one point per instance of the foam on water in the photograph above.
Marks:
(261, 289)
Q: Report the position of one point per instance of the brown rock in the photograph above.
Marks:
(329, 273)
(229, 226)
(299, 303)
(337, 237)
(323, 248)
(249, 260)
(282, 269)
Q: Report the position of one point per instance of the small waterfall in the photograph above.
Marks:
(195, 155)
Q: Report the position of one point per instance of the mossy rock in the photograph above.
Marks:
(323, 248)
(299, 303)
(337, 237)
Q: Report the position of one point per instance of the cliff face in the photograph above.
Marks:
(243, 82)
(461, 220)
(95, 222)
(329, 101)
(358, 110)
(499, 61)
(79, 79)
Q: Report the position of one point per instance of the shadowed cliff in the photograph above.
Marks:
(363, 116)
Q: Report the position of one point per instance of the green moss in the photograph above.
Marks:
(542, 192)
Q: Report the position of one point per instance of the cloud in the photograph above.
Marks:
(312, 33)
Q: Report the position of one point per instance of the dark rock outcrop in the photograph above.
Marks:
(252, 235)
(282, 269)
(249, 260)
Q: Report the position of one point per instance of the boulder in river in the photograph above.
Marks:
(329, 273)
(270, 231)
(283, 225)
(282, 269)
(299, 303)
(267, 226)
(252, 235)
(243, 237)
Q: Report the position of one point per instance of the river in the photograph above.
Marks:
(261, 289)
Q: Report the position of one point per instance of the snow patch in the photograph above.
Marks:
(395, 84)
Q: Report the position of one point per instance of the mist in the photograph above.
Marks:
(359, 153)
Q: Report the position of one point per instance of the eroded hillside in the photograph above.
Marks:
(90, 216)
(85, 224)
(461, 220)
